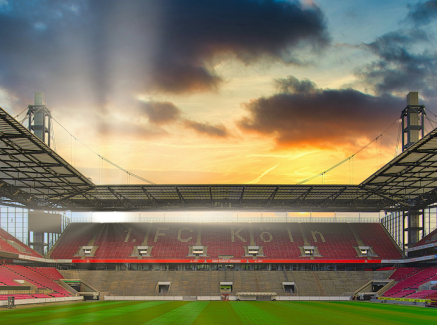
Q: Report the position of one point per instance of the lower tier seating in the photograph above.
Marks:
(207, 283)
(16, 275)
(411, 282)
(421, 294)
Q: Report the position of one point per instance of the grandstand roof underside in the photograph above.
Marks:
(34, 176)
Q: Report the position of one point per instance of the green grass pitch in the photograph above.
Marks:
(217, 312)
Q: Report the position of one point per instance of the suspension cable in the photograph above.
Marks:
(103, 158)
(346, 159)
(16, 116)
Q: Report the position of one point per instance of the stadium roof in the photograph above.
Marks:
(31, 173)
(411, 177)
(228, 197)
(33, 176)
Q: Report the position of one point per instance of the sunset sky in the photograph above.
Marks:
(225, 91)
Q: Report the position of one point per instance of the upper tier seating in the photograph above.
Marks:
(117, 240)
(373, 234)
(334, 241)
(172, 241)
(219, 240)
(20, 248)
(74, 236)
(279, 245)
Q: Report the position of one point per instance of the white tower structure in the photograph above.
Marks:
(413, 118)
(40, 118)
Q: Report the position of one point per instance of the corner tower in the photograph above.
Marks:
(40, 118)
(413, 117)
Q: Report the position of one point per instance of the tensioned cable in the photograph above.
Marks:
(428, 110)
(103, 158)
(16, 116)
(350, 157)
(431, 122)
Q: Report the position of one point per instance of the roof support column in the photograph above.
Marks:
(414, 227)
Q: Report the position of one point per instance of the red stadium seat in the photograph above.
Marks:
(278, 241)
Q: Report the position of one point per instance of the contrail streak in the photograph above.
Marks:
(256, 180)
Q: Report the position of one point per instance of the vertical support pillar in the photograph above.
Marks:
(404, 245)
(38, 242)
(414, 227)
(399, 229)
(412, 121)
(423, 224)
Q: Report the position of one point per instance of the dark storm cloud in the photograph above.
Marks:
(195, 31)
(403, 64)
(160, 113)
(304, 115)
(294, 85)
(164, 113)
(214, 131)
(97, 52)
(406, 59)
(53, 46)
(422, 13)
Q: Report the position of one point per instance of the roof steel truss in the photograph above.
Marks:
(34, 176)
(231, 197)
(32, 168)
(410, 178)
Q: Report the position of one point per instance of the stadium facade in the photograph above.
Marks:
(105, 257)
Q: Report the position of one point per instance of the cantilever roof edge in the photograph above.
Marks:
(81, 194)
(411, 177)
(401, 156)
(24, 159)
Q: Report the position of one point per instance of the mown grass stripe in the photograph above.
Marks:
(288, 313)
(307, 312)
(250, 313)
(383, 307)
(142, 316)
(218, 313)
(24, 316)
(291, 313)
(54, 307)
(388, 315)
(203, 312)
(181, 316)
(104, 316)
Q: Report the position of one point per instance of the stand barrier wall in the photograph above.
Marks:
(232, 298)
(40, 300)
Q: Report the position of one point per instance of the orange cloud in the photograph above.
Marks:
(302, 115)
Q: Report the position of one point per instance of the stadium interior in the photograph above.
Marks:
(392, 259)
